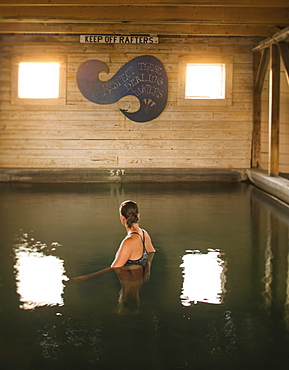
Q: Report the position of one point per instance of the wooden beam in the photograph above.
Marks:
(261, 71)
(199, 3)
(284, 51)
(274, 111)
(158, 14)
(256, 135)
(197, 29)
(278, 37)
(258, 61)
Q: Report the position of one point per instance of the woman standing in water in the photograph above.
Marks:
(135, 246)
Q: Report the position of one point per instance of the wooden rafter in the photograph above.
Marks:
(200, 3)
(138, 28)
(102, 14)
(218, 18)
(275, 39)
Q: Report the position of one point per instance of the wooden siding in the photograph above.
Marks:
(81, 134)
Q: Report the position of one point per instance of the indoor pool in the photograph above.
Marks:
(215, 295)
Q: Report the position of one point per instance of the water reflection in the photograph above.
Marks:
(132, 278)
(286, 305)
(39, 277)
(222, 336)
(53, 339)
(270, 251)
(203, 277)
(268, 278)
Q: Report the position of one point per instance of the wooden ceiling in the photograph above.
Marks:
(155, 17)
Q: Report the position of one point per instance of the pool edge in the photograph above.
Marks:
(274, 185)
(104, 175)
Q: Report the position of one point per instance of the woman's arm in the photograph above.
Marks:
(148, 243)
(122, 255)
(81, 279)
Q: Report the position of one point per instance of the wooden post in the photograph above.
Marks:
(256, 138)
(274, 110)
(260, 68)
(284, 51)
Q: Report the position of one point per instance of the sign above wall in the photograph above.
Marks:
(113, 39)
(144, 77)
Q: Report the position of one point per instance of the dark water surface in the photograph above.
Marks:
(216, 297)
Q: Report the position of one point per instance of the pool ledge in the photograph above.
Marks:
(102, 175)
(274, 185)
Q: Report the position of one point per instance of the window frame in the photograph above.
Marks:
(181, 97)
(36, 58)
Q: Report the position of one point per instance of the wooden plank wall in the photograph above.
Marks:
(81, 134)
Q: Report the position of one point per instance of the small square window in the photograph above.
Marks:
(205, 81)
(38, 80)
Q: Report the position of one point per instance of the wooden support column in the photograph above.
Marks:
(260, 68)
(284, 51)
(274, 110)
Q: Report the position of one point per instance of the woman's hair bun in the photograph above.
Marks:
(129, 209)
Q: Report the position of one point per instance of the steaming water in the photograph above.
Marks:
(216, 295)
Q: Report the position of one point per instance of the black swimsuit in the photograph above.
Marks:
(144, 253)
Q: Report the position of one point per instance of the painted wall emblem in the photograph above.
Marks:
(144, 77)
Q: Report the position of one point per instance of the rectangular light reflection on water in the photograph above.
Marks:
(39, 277)
(203, 277)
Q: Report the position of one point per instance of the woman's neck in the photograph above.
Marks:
(134, 229)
